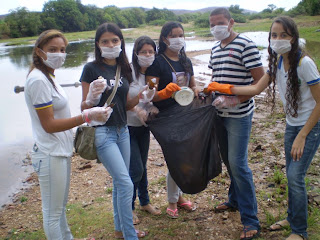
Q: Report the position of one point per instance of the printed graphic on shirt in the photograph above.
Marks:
(181, 79)
(113, 82)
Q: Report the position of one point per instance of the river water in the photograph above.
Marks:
(15, 127)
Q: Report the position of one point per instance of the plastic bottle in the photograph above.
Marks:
(152, 83)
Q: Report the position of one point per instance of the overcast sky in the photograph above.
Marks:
(255, 5)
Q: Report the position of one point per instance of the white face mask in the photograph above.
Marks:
(145, 61)
(220, 32)
(176, 44)
(54, 60)
(111, 53)
(280, 46)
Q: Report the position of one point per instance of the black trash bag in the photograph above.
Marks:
(189, 143)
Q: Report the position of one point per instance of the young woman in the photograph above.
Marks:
(172, 69)
(51, 126)
(143, 55)
(298, 79)
(112, 139)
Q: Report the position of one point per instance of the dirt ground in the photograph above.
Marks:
(90, 181)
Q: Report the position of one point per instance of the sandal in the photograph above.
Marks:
(172, 213)
(222, 207)
(247, 229)
(293, 236)
(187, 206)
(150, 209)
(140, 234)
(135, 218)
(279, 225)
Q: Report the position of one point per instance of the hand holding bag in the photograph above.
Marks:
(85, 135)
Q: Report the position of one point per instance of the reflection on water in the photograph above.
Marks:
(15, 126)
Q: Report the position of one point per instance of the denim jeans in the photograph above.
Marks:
(234, 137)
(139, 144)
(54, 179)
(296, 172)
(113, 150)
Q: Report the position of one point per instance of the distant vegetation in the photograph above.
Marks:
(73, 16)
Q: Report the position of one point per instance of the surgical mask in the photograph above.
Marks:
(176, 44)
(111, 53)
(220, 32)
(54, 60)
(280, 46)
(145, 61)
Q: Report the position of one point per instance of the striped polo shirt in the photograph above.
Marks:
(232, 65)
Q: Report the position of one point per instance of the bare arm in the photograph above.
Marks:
(52, 125)
(252, 90)
(257, 74)
(299, 142)
(193, 86)
(85, 89)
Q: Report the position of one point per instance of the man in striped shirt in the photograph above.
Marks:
(235, 60)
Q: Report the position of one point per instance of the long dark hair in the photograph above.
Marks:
(296, 53)
(42, 40)
(138, 44)
(122, 60)
(165, 31)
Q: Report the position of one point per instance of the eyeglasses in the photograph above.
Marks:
(151, 52)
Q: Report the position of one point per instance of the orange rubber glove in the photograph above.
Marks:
(223, 88)
(168, 90)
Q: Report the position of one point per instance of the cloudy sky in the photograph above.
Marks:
(257, 5)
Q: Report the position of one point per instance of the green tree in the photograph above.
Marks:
(4, 30)
(235, 9)
(156, 15)
(23, 23)
(202, 21)
(312, 6)
(66, 15)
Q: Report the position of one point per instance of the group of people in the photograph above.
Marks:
(122, 137)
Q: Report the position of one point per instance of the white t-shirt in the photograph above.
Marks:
(135, 87)
(39, 93)
(308, 75)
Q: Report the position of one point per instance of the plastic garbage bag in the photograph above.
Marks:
(187, 136)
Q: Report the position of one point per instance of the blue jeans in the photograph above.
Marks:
(234, 135)
(54, 178)
(113, 150)
(139, 144)
(296, 172)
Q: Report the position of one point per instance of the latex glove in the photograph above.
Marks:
(223, 88)
(153, 110)
(147, 94)
(168, 90)
(97, 115)
(142, 114)
(226, 102)
(96, 88)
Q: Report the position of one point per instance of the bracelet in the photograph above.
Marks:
(87, 120)
(83, 117)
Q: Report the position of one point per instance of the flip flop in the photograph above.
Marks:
(172, 213)
(293, 236)
(150, 209)
(140, 234)
(187, 206)
(247, 229)
(279, 225)
(135, 219)
(222, 207)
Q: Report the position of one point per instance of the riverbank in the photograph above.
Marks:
(89, 209)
